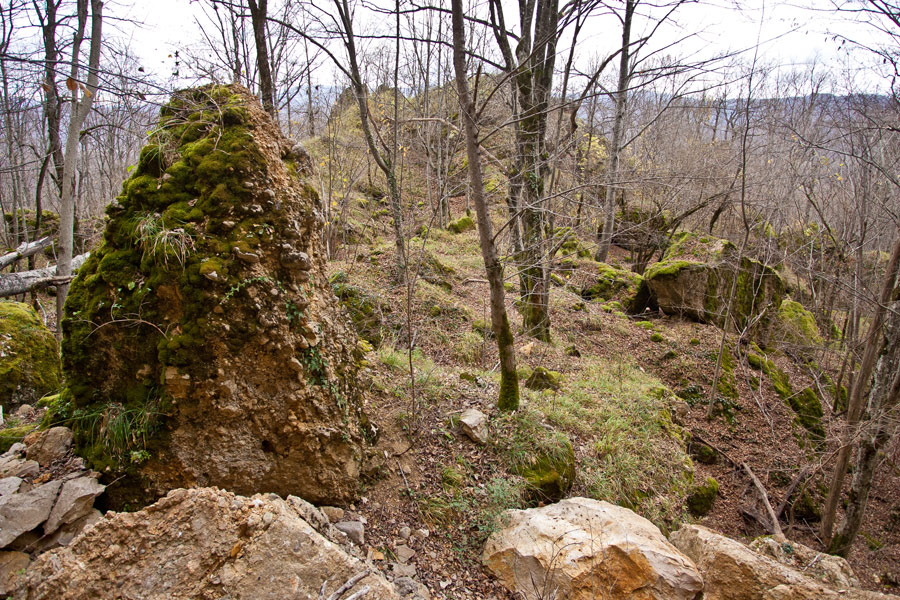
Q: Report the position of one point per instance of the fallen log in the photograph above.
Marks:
(24, 250)
(12, 284)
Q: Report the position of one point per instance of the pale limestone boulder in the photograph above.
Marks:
(45, 447)
(832, 571)
(587, 549)
(20, 513)
(199, 543)
(474, 424)
(732, 571)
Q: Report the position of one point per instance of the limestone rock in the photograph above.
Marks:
(334, 513)
(543, 379)
(64, 535)
(832, 571)
(20, 513)
(354, 530)
(49, 445)
(76, 500)
(474, 424)
(588, 549)
(12, 564)
(695, 279)
(9, 485)
(223, 307)
(199, 543)
(732, 571)
(29, 357)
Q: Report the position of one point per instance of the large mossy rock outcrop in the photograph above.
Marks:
(617, 284)
(203, 343)
(696, 276)
(29, 357)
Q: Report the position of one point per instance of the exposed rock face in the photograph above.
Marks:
(732, 571)
(588, 549)
(696, 276)
(205, 320)
(49, 445)
(199, 544)
(29, 357)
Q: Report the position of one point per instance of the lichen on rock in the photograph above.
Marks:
(203, 343)
(29, 358)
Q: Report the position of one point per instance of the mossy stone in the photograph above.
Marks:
(552, 472)
(700, 500)
(13, 435)
(29, 358)
(461, 225)
(808, 408)
(797, 327)
(703, 454)
(544, 379)
(806, 508)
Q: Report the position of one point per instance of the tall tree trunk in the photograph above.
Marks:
(606, 235)
(80, 110)
(51, 93)
(877, 345)
(509, 381)
(258, 10)
(385, 164)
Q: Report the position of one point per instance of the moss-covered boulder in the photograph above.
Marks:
(620, 285)
(795, 329)
(550, 472)
(204, 345)
(696, 276)
(29, 357)
(366, 309)
(461, 225)
(543, 378)
(702, 496)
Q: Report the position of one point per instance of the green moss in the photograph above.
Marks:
(809, 413)
(366, 311)
(645, 324)
(779, 379)
(701, 499)
(550, 469)
(667, 268)
(461, 225)
(656, 337)
(704, 454)
(12, 435)
(544, 379)
(29, 359)
(807, 508)
(797, 326)
(614, 283)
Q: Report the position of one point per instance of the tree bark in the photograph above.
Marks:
(606, 235)
(24, 250)
(874, 342)
(13, 284)
(509, 381)
(883, 399)
(80, 110)
(258, 9)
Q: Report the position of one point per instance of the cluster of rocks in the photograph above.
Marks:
(46, 500)
(209, 543)
(583, 549)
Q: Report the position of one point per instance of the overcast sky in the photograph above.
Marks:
(790, 35)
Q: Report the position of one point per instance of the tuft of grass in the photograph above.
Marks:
(160, 243)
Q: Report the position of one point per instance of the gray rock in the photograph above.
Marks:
(17, 449)
(76, 500)
(406, 586)
(23, 512)
(19, 467)
(9, 485)
(405, 532)
(404, 553)
(12, 564)
(49, 445)
(354, 530)
(65, 534)
(400, 570)
(474, 425)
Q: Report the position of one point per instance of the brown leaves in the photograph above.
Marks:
(71, 84)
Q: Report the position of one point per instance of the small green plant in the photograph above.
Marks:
(161, 243)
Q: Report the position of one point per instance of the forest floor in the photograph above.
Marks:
(426, 474)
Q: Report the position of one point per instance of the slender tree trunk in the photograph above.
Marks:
(606, 235)
(876, 343)
(509, 381)
(80, 110)
(258, 10)
(385, 164)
